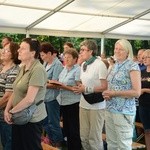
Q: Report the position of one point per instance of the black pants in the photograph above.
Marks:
(70, 115)
(137, 117)
(27, 137)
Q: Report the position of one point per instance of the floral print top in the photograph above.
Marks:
(119, 80)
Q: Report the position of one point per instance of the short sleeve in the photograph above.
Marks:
(56, 72)
(10, 79)
(134, 66)
(38, 77)
(102, 70)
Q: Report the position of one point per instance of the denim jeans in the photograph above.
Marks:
(51, 123)
(5, 135)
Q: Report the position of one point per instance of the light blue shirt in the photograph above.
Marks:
(69, 77)
(119, 80)
(53, 74)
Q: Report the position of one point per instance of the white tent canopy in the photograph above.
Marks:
(77, 18)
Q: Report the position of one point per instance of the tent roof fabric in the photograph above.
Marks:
(77, 18)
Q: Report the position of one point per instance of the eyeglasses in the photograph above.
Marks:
(145, 57)
(5, 50)
(84, 50)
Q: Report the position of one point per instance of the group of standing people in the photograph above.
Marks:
(89, 96)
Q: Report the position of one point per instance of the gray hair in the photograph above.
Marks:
(91, 45)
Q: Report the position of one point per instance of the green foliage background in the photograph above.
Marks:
(58, 42)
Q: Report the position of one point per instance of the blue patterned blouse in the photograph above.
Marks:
(119, 80)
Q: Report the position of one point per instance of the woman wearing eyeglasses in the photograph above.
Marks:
(144, 99)
(69, 101)
(8, 73)
(92, 105)
(28, 88)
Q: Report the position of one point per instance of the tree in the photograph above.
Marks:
(58, 42)
(16, 37)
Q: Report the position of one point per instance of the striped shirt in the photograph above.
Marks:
(6, 81)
